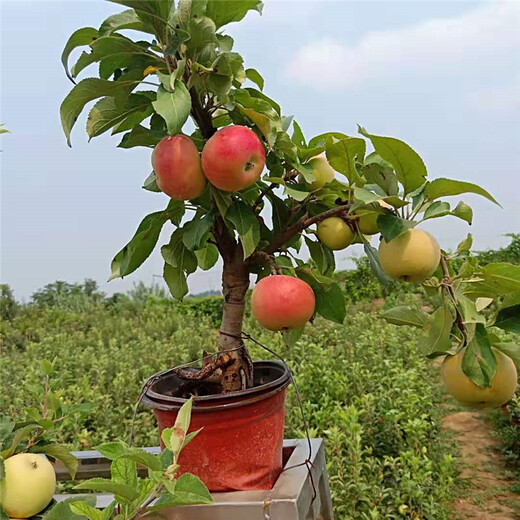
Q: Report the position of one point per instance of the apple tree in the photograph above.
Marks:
(247, 186)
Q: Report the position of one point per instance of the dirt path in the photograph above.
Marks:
(488, 496)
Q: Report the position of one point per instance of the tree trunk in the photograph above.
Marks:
(235, 283)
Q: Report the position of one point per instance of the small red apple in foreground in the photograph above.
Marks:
(233, 158)
(176, 162)
(28, 485)
(282, 302)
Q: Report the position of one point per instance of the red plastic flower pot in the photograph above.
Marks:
(240, 446)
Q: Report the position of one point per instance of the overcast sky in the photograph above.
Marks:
(443, 76)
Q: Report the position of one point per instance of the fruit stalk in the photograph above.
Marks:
(448, 286)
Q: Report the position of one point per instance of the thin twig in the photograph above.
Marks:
(302, 224)
(262, 194)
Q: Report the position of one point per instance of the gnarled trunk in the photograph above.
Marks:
(235, 283)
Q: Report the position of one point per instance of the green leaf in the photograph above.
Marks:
(47, 367)
(174, 107)
(409, 167)
(447, 187)
(437, 209)
(510, 349)
(85, 91)
(106, 114)
(141, 136)
(254, 76)
(469, 310)
(342, 156)
(176, 254)
(330, 300)
(375, 265)
(2, 469)
(196, 230)
(246, 223)
(223, 12)
(479, 362)
(222, 200)
(116, 52)
(150, 183)
(437, 332)
(405, 315)
(392, 226)
(497, 279)
(20, 434)
(124, 471)
(509, 319)
(126, 20)
(298, 192)
(82, 508)
(291, 337)
(62, 454)
(261, 113)
(190, 436)
(189, 490)
(464, 212)
(153, 13)
(176, 210)
(112, 450)
(380, 172)
(465, 245)
(83, 36)
(62, 511)
(3, 514)
(140, 246)
(103, 485)
(143, 458)
(207, 256)
(175, 278)
(202, 32)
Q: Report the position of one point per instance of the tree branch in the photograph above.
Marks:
(302, 224)
(262, 194)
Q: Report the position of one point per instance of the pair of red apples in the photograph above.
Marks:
(232, 160)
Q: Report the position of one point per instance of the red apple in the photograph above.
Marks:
(282, 302)
(176, 162)
(233, 158)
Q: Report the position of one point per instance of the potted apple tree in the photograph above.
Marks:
(245, 185)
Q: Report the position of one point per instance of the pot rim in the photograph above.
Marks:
(158, 401)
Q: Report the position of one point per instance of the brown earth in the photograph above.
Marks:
(488, 494)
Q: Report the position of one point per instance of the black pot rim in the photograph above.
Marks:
(159, 401)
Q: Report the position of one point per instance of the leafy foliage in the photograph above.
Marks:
(134, 496)
(197, 75)
(366, 389)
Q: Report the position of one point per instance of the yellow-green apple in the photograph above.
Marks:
(460, 386)
(282, 302)
(322, 170)
(410, 257)
(28, 485)
(367, 222)
(335, 233)
(176, 162)
(233, 159)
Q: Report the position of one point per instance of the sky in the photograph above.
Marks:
(444, 76)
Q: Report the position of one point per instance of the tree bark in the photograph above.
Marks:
(235, 283)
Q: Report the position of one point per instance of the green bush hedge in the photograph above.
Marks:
(366, 391)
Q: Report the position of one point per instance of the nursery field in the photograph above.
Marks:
(367, 391)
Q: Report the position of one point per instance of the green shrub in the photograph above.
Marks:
(366, 390)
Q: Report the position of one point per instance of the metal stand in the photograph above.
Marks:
(290, 499)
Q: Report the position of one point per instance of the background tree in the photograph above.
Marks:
(258, 226)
